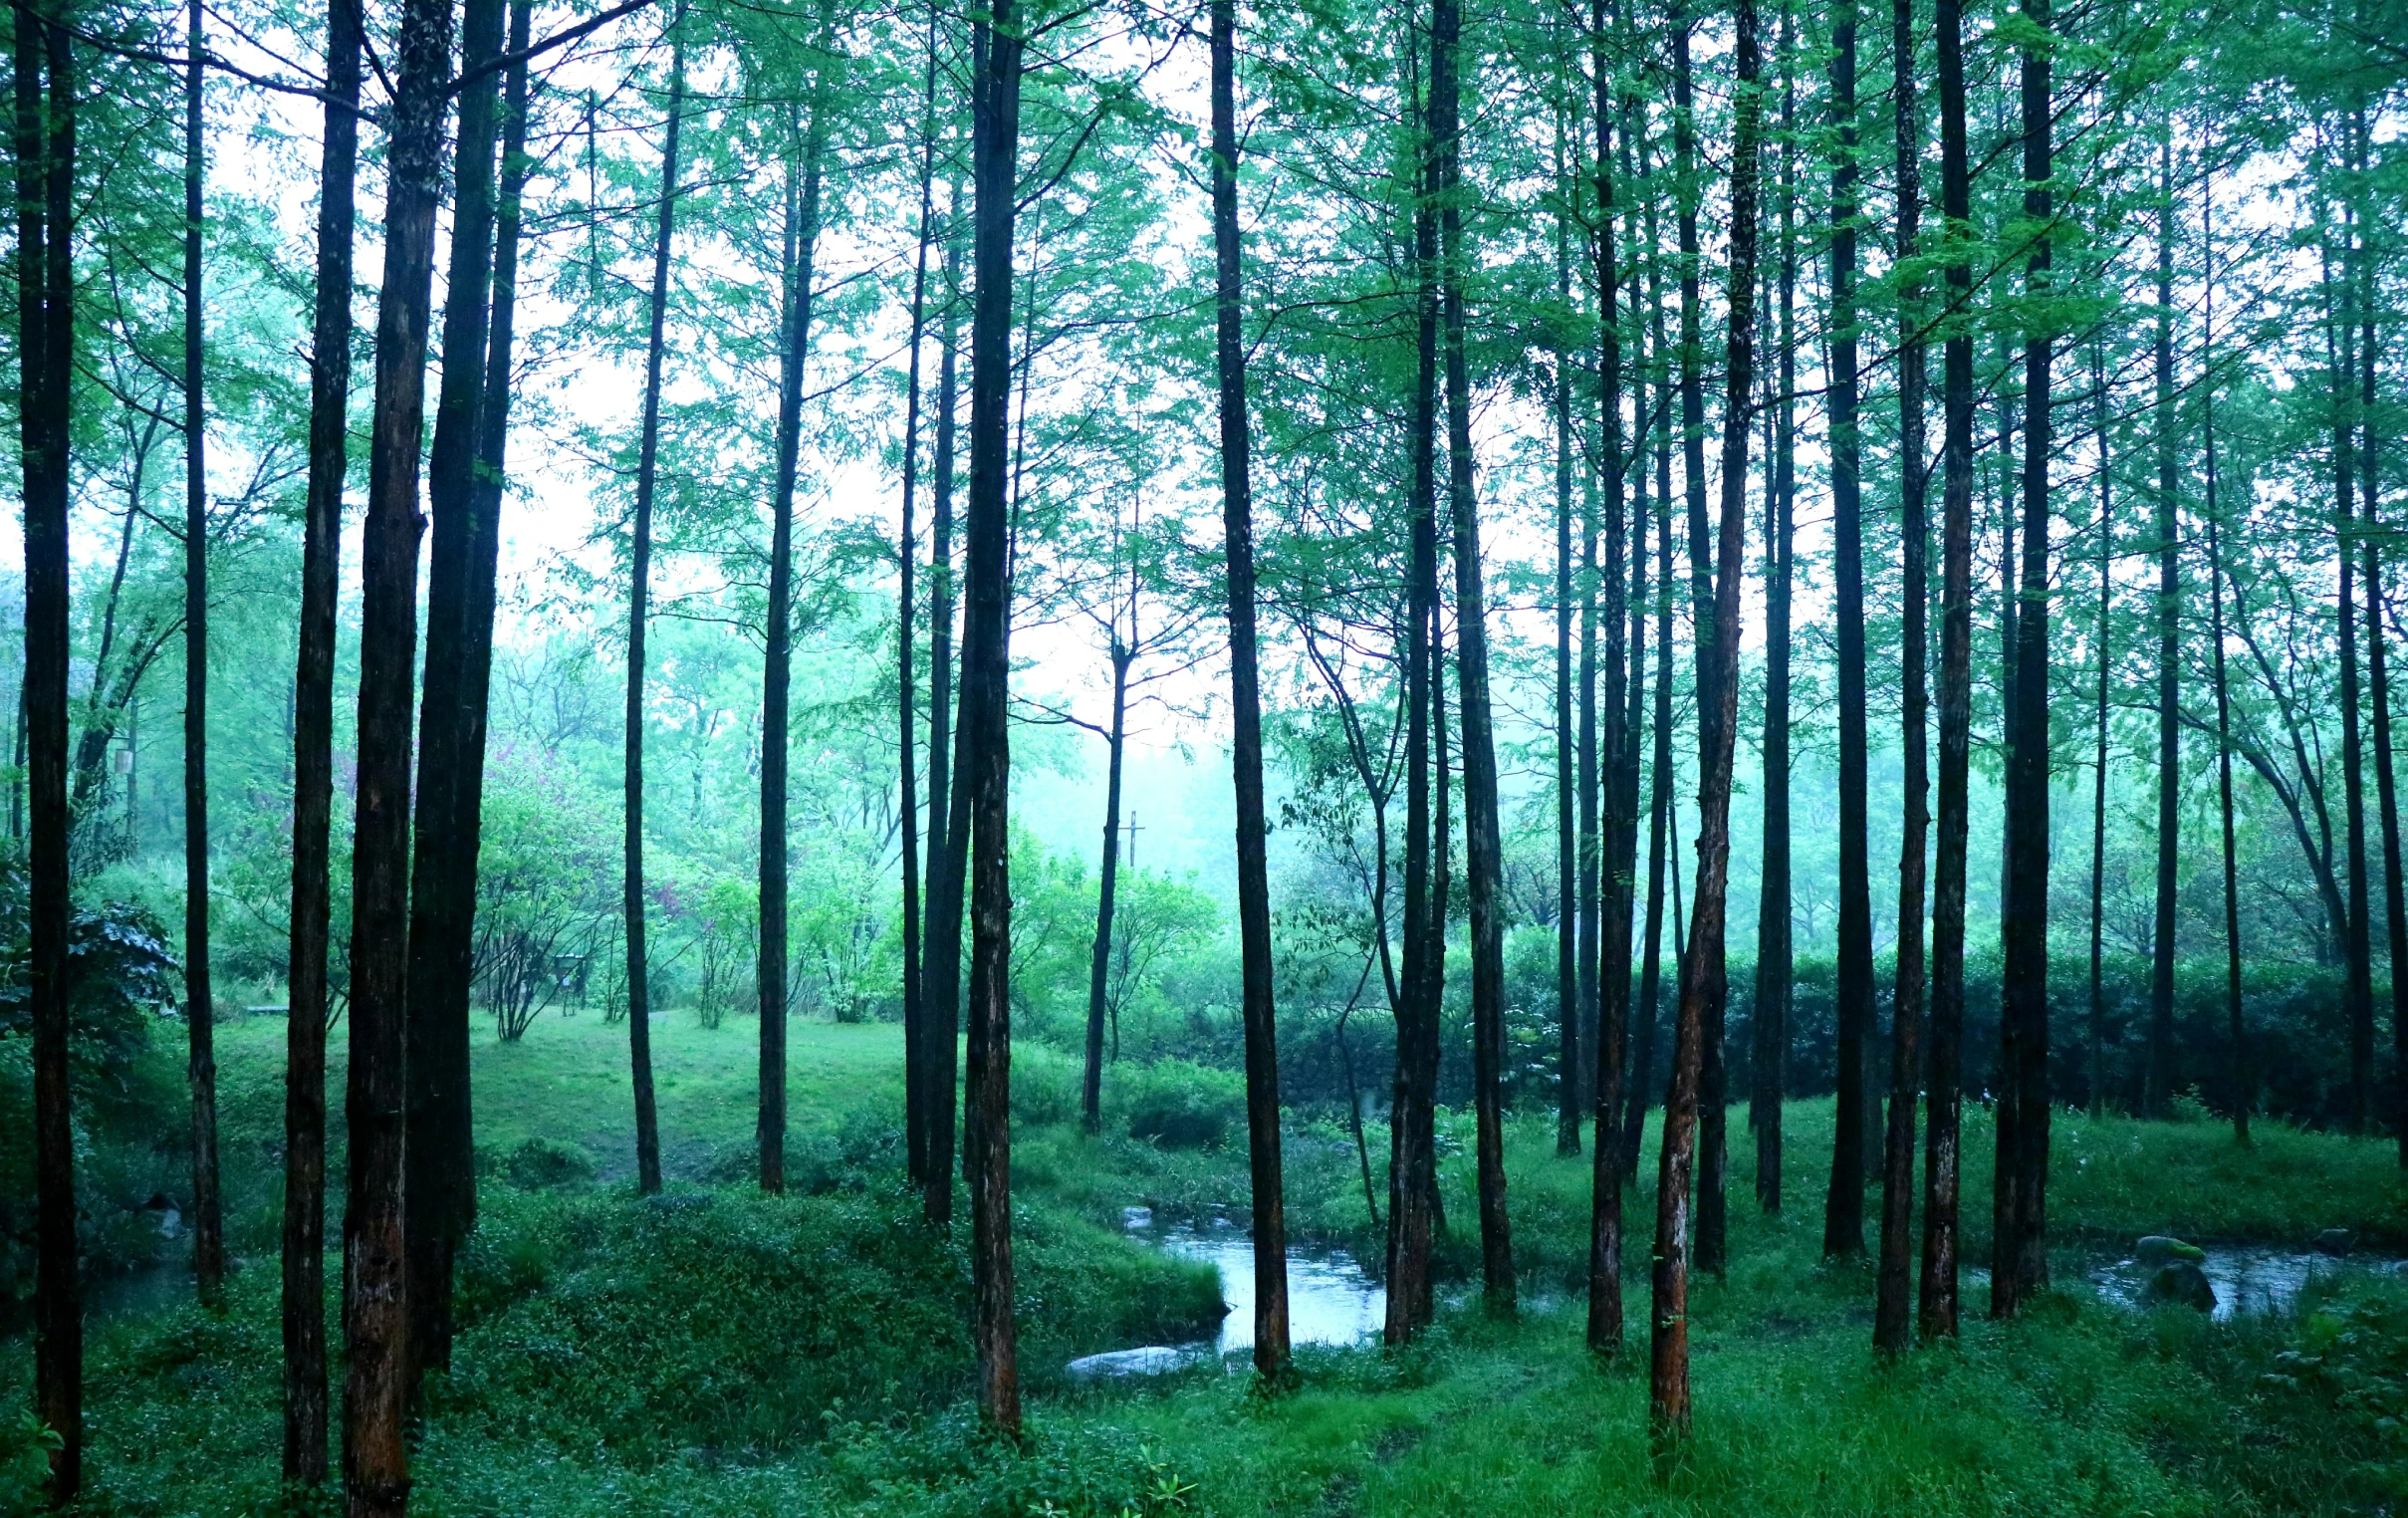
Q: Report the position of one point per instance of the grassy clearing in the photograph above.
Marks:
(716, 1353)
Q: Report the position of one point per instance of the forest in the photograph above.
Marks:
(1104, 758)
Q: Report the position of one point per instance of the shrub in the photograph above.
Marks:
(540, 1164)
(1181, 1104)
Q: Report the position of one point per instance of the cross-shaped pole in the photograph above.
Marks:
(1133, 830)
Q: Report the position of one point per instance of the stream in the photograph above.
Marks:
(2249, 1277)
(1330, 1299)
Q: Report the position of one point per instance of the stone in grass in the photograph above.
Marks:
(2335, 1242)
(2185, 1282)
(2158, 1249)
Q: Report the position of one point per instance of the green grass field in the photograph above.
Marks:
(713, 1352)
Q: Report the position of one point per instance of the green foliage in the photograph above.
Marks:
(1180, 1103)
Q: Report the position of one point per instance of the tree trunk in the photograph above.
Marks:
(1107, 881)
(2158, 1068)
(1659, 818)
(2242, 1078)
(1412, 1166)
(2358, 985)
(983, 755)
(45, 166)
(799, 256)
(1569, 1005)
(375, 1317)
(1483, 843)
(439, 1190)
(1936, 1290)
(2096, 1051)
(1896, 1284)
(2020, 1257)
(208, 1221)
(1702, 975)
(1775, 971)
(1844, 1207)
(303, 1302)
(931, 1071)
(639, 988)
(906, 712)
(1246, 757)
(2395, 891)
(1613, 1007)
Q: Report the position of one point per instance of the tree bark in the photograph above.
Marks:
(983, 756)
(1896, 1282)
(440, 1190)
(1775, 970)
(375, 1462)
(1844, 1207)
(639, 988)
(208, 1220)
(1246, 757)
(1569, 1005)
(2096, 1052)
(2019, 1258)
(2237, 1030)
(46, 164)
(1936, 1290)
(1702, 975)
(2358, 982)
(303, 1298)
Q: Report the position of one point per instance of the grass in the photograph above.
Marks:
(717, 1352)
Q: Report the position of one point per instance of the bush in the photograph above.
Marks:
(1044, 1085)
(539, 1164)
(1181, 1105)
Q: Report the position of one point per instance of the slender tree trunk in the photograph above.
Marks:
(1412, 1168)
(1483, 841)
(1775, 971)
(45, 166)
(1659, 810)
(1702, 975)
(639, 585)
(1569, 1003)
(208, 1220)
(802, 242)
(2358, 985)
(1606, 1173)
(906, 711)
(2241, 1078)
(1843, 1207)
(1109, 880)
(983, 755)
(1246, 756)
(2158, 1078)
(376, 1318)
(2098, 766)
(1936, 1290)
(304, 1301)
(438, 1191)
(2395, 891)
(941, 964)
(2020, 1257)
(1896, 1285)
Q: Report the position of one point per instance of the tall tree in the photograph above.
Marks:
(439, 1193)
(2241, 1083)
(798, 257)
(2018, 1193)
(1246, 756)
(2158, 1069)
(1108, 875)
(376, 1320)
(647, 468)
(930, 1073)
(982, 753)
(1895, 1288)
(208, 1218)
(1605, 1174)
(1484, 848)
(1569, 1006)
(304, 1297)
(46, 172)
(1844, 1207)
(2357, 997)
(1774, 968)
(1936, 1289)
(2095, 1052)
(1702, 984)
(906, 643)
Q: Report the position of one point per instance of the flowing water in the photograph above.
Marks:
(1330, 1299)
(2247, 1278)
